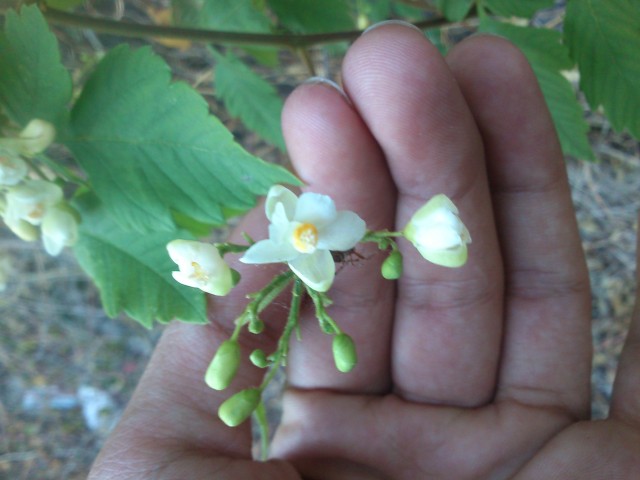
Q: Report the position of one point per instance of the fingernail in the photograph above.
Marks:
(327, 82)
(392, 22)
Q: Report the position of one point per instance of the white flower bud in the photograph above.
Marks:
(438, 233)
(12, 168)
(24, 230)
(59, 230)
(36, 137)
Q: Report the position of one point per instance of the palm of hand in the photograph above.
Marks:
(481, 372)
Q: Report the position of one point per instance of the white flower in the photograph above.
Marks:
(438, 233)
(30, 200)
(36, 137)
(12, 168)
(59, 230)
(303, 232)
(201, 266)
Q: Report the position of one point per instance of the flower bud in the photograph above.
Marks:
(36, 137)
(256, 326)
(438, 233)
(259, 358)
(59, 229)
(344, 352)
(224, 365)
(12, 168)
(237, 408)
(392, 266)
(24, 230)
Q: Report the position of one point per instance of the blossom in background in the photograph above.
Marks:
(12, 168)
(36, 137)
(303, 232)
(438, 233)
(59, 230)
(30, 200)
(33, 139)
(201, 266)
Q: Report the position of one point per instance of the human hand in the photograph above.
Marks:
(472, 373)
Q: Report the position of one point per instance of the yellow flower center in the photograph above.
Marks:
(305, 238)
(199, 274)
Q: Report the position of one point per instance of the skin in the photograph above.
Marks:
(480, 372)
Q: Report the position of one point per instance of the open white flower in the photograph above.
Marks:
(303, 232)
(30, 200)
(12, 168)
(438, 233)
(201, 266)
(59, 230)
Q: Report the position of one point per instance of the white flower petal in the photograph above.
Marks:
(59, 230)
(279, 194)
(343, 233)
(268, 251)
(447, 258)
(319, 210)
(30, 200)
(438, 237)
(317, 270)
(12, 168)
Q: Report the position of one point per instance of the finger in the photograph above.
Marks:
(173, 412)
(448, 321)
(334, 154)
(625, 403)
(547, 345)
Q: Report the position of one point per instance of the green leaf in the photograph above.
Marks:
(151, 148)
(517, 8)
(604, 39)
(133, 271)
(454, 10)
(64, 4)
(435, 36)
(249, 97)
(547, 56)
(313, 16)
(231, 16)
(33, 82)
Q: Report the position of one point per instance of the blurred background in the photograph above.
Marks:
(67, 370)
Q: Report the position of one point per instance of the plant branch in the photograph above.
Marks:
(128, 29)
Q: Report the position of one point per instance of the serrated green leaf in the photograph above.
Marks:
(312, 16)
(151, 148)
(604, 39)
(133, 271)
(33, 81)
(516, 8)
(249, 97)
(454, 10)
(547, 56)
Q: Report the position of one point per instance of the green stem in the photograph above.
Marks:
(292, 320)
(226, 247)
(321, 313)
(126, 29)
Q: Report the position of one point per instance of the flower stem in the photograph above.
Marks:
(209, 36)
(282, 349)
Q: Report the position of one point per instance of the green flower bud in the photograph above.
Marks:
(224, 365)
(259, 358)
(256, 326)
(392, 266)
(237, 408)
(344, 352)
(235, 277)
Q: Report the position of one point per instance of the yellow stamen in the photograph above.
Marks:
(305, 238)
(198, 273)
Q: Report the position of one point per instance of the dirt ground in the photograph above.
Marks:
(67, 371)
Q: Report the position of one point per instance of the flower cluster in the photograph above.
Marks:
(307, 233)
(28, 203)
